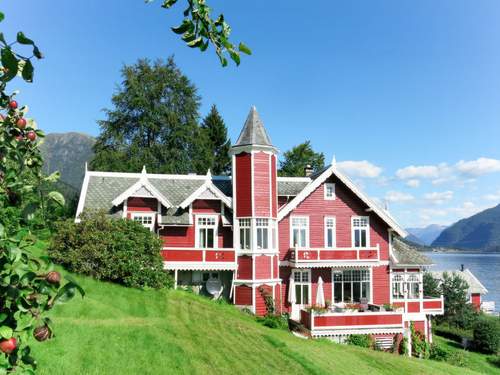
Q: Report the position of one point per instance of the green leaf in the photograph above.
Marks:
(29, 211)
(22, 39)
(53, 177)
(6, 332)
(2, 38)
(185, 25)
(10, 62)
(37, 52)
(28, 71)
(235, 56)
(243, 48)
(2, 16)
(168, 3)
(57, 197)
(195, 43)
(2, 230)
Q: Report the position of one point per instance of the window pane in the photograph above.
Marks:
(347, 292)
(363, 238)
(356, 291)
(210, 238)
(296, 277)
(337, 292)
(303, 238)
(265, 236)
(298, 294)
(295, 237)
(305, 295)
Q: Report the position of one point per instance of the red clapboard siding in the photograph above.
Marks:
(206, 206)
(182, 255)
(359, 320)
(275, 267)
(142, 204)
(381, 288)
(262, 184)
(274, 192)
(432, 304)
(413, 307)
(178, 236)
(419, 326)
(219, 256)
(285, 276)
(244, 267)
(243, 184)
(476, 300)
(342, 208)
(260, 303)
(284, 238)
(225, 239)
(243, 295)
(263, 267)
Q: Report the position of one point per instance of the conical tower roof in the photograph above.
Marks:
(253, 132)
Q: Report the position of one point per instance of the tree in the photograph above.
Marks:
(199, 29)
(154, 122)
(457, 309)
(431, 286)
(29, 286)
(296, 159)
(219, 144)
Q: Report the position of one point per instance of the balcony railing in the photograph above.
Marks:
(333, 255)
(338, 323)
(198, 257)
(427, 305)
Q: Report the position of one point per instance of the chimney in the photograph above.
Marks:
(308, 170)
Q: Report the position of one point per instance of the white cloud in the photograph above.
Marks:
(413, 183)
(439, 197)
(398, 197)
(421, 171)
(492, 196)
(478, 167)
(361, 168)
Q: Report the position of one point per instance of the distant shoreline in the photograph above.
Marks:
(455, 251)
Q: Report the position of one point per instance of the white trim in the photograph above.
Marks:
(325, 232)
(327, 184)
(142, 182)
(156, 176)
(253, 148)
(215, 228)
(252, 186)
(208, 185)
(152, 215)
(307, 231)
(368, 229)
(332, 170)
(83, 195)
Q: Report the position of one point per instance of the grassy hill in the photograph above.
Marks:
(116, 330)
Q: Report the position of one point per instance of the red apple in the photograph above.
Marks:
(19, 138)
(21, 123)
(31, 135)
(8, 346)
(53, 277)
(13, 104)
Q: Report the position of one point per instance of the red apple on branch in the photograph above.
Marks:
(13, 104)
(21, 123)
(31, 135)
(8, 346)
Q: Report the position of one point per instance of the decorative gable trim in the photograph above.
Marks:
(142, 183)
(201, 193)
(332, 170)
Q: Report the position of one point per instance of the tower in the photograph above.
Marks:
(255, 206)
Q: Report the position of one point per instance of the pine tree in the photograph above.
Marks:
(215, 129)
(154, 123)
(295, 160)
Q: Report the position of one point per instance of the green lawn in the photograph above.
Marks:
(116, 330)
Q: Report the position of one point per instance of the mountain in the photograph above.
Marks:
(67, 153)
(425, 236)
(478, 232)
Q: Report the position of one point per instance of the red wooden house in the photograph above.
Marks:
(312, 240)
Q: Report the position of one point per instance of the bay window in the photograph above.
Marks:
(360, 231)
(413, 286)
(398, 286)
(206, 231)
(262, 226)
(245, 237)
(299, 232)
(351, 286)
(330, 235)
(406, 285)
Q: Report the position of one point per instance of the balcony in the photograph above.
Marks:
(319, 257)
(198, 259)
(427, 305)
(331, 323)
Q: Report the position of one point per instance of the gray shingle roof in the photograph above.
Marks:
(289, 187)
(253, 132)
(475, 285)
(406, 254)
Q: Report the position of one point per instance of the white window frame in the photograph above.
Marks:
(398, 283)
(306, 232)
(247, 228)
(333, 196)
(141, 215)
(259, 227)
(353, 228)
(302, 284)
(215, 227)
(369, 287)
(334, 236)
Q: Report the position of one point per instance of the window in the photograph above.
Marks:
(413, 286)
(360, 232)
(262, 233)
(329, 191)
(302, 281)
(245, 239)
(145, 219)
(300, 232)
(398, 289)
(330, 235)
(351, 285)
(207, 231)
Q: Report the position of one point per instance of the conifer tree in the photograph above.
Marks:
(295, 160)
(216, 132)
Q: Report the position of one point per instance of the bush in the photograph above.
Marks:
(458, 358)
(274, 321)
(364, 341)
(117, 250)
(487, 335)
(437, 353)
(452, 333)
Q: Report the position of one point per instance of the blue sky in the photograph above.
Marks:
(405, 93)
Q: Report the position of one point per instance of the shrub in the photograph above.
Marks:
(452, 333)
(487, 335)
(117, 250)
(274, 321)
(364, 341)
(458, 358)
(437, 353)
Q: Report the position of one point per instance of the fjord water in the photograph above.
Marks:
(485, 266)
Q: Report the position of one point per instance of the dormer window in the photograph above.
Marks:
(329, 191)
(206, 231)
(146, 220)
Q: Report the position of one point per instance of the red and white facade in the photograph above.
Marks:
(261, 234)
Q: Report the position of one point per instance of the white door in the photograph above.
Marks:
(302, 280)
